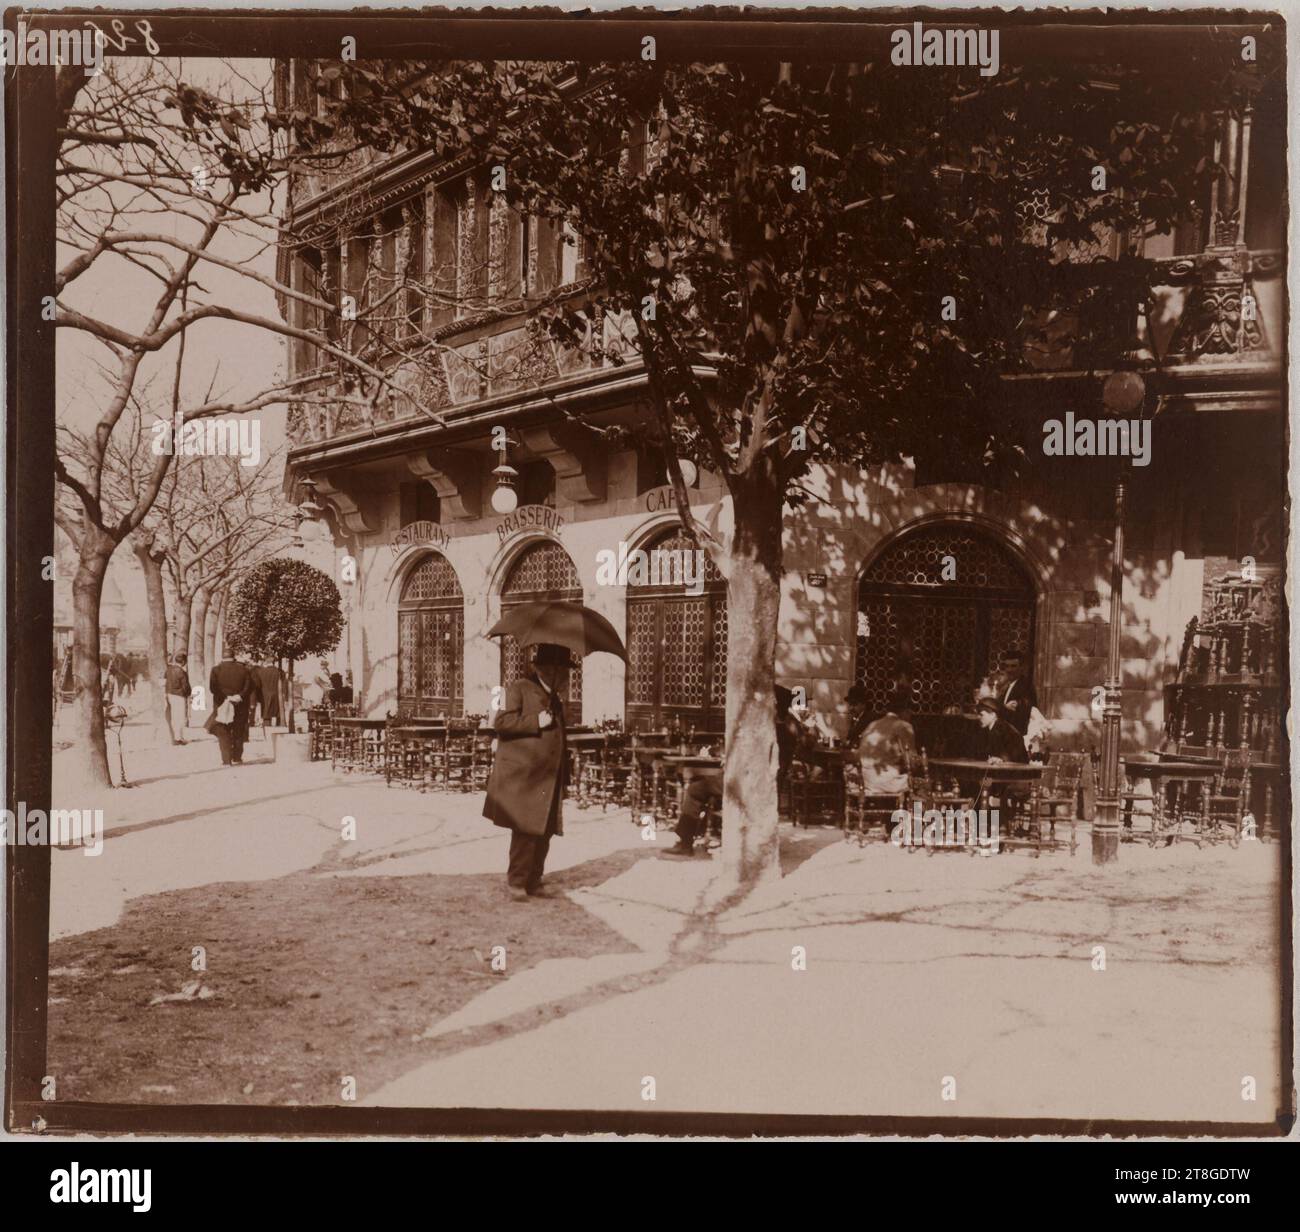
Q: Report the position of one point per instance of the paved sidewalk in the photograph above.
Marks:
(919, 970)
(925, 975)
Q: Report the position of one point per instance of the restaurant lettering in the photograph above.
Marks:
(427, 533)
(659, 499)
(529, 517)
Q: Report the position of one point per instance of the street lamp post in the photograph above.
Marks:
(1122, 393)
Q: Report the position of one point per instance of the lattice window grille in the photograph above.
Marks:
(540, 569)
(432, 578)
(918, 560)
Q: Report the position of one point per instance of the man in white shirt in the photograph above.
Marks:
(885, 746)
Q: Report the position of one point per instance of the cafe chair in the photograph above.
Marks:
(320, 734)
(922, 791)
(1057, 790)
(816, 793)
(345, 739)
(435, 760)
(401, 760)
(618, 769)
(587, 775)
(458, 758)
(711, 835)
(1225, 806)
(862, 812)
(481, 761)
(921, 783)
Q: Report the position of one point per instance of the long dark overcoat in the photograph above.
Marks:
(232, 678)
(529, 768)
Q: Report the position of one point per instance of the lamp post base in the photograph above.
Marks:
(1105, 832)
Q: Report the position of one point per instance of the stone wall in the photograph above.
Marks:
(1058, 537)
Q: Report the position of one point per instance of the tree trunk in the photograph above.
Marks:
(749, 808)
(155, 597)
(87, 589)
(289, 699)
(198, 626)
(181, 633)
(211, 640)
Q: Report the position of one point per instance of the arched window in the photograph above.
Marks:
(936, 609)
(676, 642)
(431, 641)
(541, 571)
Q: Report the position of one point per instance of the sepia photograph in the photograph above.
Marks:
(593, 572)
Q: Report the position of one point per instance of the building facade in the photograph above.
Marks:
(865, 598)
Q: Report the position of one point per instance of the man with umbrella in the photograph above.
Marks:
(527, 780)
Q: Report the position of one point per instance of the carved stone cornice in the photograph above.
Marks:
(456, 475)
(348, 504)
(580, 465)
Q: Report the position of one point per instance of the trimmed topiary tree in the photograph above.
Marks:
(285, 609)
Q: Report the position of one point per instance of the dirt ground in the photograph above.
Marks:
(309, 979)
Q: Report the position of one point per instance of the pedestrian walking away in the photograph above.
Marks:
(231, 686)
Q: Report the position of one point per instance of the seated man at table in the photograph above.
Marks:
(1001, 741)
(706, 789)
(885, 746)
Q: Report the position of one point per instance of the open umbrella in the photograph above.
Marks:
(571, 625)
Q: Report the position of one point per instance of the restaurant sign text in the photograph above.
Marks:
(529, 517)
(426, 533)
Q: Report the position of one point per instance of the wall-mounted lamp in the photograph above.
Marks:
(310, 508)
(505, 498)
(690, 472)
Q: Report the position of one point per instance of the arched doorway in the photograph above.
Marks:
(541, 571)
(431, 641)
(677, 647)
(938, 607)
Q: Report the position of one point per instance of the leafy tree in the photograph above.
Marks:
(832, 264)
(285, 609)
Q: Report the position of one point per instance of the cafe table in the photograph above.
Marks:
(973, 769)
(1265, 787)
(1174, 780)
(672, 766)
(359, 742)
(987, 774)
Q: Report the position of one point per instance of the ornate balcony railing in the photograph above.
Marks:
(1222, 305)
(504, 356)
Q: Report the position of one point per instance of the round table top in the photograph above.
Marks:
(1170, 769)
(694, 760)
(994, 769)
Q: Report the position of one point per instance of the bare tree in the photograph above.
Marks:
(163, 181)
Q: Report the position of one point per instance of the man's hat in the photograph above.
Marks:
(545, 653)
(987, 703)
